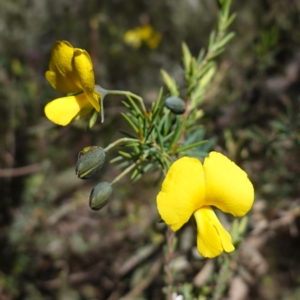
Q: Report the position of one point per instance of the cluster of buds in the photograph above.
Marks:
(90, 160)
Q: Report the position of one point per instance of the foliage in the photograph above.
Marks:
(52, 245)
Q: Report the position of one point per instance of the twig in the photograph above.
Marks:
(128, 94)
(144, 283)
(287, 218)
(22, 171)
(118, 142)
(127, 170)
(169, 255)
(137, 258)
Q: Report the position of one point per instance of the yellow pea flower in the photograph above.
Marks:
(154, 40)
(71, 72)
(145, 33)
(191, 187)
(132, 38)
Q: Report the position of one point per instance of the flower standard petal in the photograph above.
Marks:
(84, 68)
(227, 186)
(63, 110)
(62, 75)
(212, 238)
(182, 192)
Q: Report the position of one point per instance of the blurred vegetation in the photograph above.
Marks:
(52, 246)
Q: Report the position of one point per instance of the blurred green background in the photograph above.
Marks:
(52, 246)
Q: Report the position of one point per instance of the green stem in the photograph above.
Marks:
(118, 142)
(128, 94)
(127, 170)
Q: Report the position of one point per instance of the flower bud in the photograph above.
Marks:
(90, 161)
(175, 105)
(100, 195)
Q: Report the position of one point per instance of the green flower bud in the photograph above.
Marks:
(175, 105)
(90, 161)
(100, 195)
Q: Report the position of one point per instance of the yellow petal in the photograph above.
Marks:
(62, 75)
(145, 32)
(212, 238)
(84, 67)
(182, 192)
(131, 37)
(62, 111)
(154, 40)
(227, 185)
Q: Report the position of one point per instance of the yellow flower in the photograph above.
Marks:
(154, 40)
(71, 72)
(192, 188)
(145, 33)
(132, 38)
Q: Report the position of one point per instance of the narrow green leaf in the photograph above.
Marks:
(144, 126)
(136, 178)
(187, 56)
(179, 126)
(136, 148)
(123, 165)
(200, 56)
(211, 40)
(147, 135)
(116, 159)
(163, 119)
(135, 108)
(203, 70)
(193, 66)
(225, 40)
(170, 83)
(130, 122)
(197, 96)
(148, 167)
(133, 144)
(135, 112)
(156, 115)
(135, 173)
(198, 154)
(125, 154)
(205, 80)
(93, 119)
(142, 172)
(140, 123)
(159, 139)
(230, 20)
(187, 147)
(167, 137)
(194, 136)
(127, 134)
(127, 105)
(166, 163)
(168, 123)
(216, 53)
(157, 103)
(194, 128)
